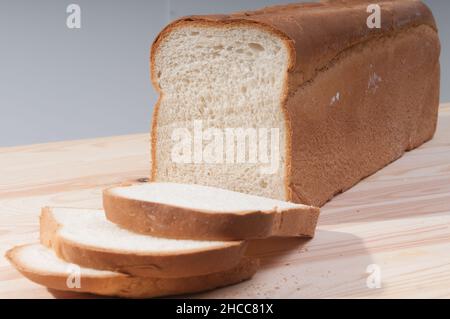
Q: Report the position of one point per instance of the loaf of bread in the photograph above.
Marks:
(336, 97)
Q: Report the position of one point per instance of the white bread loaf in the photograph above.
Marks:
(346, 98)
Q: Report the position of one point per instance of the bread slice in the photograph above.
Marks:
(346, 97)
(200, 212)
(86, 238)
(41, 265)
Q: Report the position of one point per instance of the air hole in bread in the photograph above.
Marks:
(263, 183)
(256, 46)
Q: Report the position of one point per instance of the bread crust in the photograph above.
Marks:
(122, 285)
(169, 221)
(161, 265)
(322, 36)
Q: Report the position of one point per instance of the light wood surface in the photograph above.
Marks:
(397, 219)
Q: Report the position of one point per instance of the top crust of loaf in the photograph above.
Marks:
(316, 32)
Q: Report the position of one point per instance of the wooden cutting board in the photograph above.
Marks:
(393, 226)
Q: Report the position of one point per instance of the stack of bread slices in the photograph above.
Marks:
(157, 239)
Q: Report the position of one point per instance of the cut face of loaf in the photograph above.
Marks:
(224, 78)
(190, 211)
(86, 238)
(41, 265)
(344, 99)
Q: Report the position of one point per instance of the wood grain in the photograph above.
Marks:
(398, 219)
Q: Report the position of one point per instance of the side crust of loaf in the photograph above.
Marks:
(390, 107)
(182, 223)
(309, 177)
(162, 265)
(121, 285)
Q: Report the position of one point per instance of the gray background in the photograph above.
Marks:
(58, 83)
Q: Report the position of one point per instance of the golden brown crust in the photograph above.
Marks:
(161, 265)
(389, 99)
(122, 285)
(183, 223)
(322, 35)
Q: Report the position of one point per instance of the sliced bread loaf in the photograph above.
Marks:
(87, 238)
(41, 265)
(315, 94)
(200, 212)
